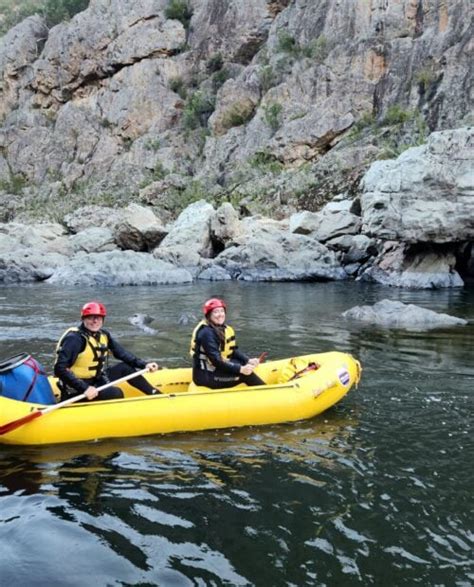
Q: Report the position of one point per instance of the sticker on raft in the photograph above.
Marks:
(344, 377)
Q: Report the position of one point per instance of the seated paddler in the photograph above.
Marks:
(217, 361)
(82, 359)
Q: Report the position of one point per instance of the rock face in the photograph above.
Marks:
(115, 121)
(426, 195)
(98, 104)
(393, 314)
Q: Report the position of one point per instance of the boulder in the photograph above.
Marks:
(118, 268)
(139, 229)
(335, 219)
(191, 230)
(29, 265)
(92, 215)
(280, 257)
(426, 267)
(95, 239)
(394, 314)
(425, 195)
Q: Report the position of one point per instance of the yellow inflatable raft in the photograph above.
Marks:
(297, 389)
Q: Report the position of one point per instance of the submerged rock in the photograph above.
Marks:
(393, 314)
(141, 321)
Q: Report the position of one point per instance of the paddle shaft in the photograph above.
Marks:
(77, 398)
(37, 413)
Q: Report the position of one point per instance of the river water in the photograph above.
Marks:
(377, 490)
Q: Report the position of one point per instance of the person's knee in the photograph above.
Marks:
(111, 393)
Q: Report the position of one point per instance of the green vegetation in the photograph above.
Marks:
(287, 43)
(54, 11)
(396, 115)
(237, 115)
(266, 161)
(317, 49)
(425, 77)
(179, 10)
(197, 110)
(219, 77)
(177, 200)
(272, 115)
(411, 130)
(153, 144)
(178, 86)
(268, 78)
(13, 185)
(158, 173)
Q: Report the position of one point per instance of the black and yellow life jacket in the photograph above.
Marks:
(89, 363)
(227, 348)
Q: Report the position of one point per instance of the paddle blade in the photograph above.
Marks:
(17, 423)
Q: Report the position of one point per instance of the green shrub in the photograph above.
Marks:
(178, 86)
(396, 115)
(179, 10)
(287, 43)
(56, 11)
(153, 144)
(265, 161)
(271, 115)
(317, 49)
(197, 110)
(268, 78)
(237, 115)
(425, 77)
(219, 78)
(159, 171)
(13, 185)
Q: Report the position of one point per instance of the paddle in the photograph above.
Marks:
(36, 414)
(262, 357)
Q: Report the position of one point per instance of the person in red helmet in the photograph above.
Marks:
(217, 362)
(82, 355)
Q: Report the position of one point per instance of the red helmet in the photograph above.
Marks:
(93, 309)
(212, 304)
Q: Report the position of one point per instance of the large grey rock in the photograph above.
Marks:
(139, 230)
(280, 257)
(29, 265)
(38, 238)
(335, 219)
(87, 216)
(118, 268)
(191, 230)
(421, 268)
(393, 314)
(95, 239)
(426, 195)
(225, 225)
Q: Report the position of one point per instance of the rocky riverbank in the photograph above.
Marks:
(412, 226)
(172, 140)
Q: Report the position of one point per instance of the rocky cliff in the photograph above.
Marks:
(276, 106)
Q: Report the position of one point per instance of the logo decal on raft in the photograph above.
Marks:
(344, 377)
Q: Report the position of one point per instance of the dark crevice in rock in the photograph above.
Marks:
(465, 262)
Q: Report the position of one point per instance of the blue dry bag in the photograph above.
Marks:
(24, 379)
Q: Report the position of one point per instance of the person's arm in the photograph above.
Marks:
(210, 343)
(239, 356)
(121, 354)
(72, 344)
